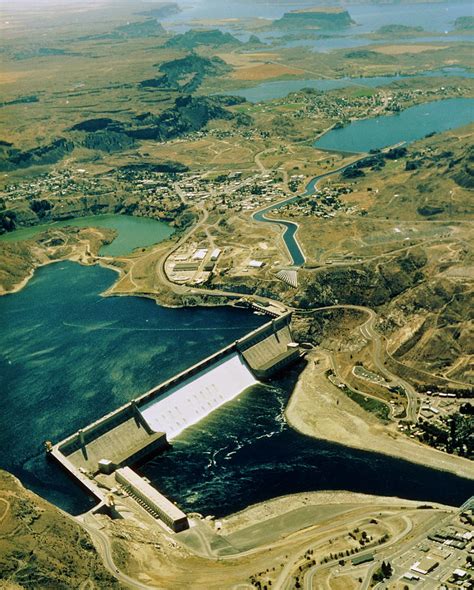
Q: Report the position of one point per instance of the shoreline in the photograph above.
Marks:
(334, 417)
(319, 409)
(280, 505)
(82, 254)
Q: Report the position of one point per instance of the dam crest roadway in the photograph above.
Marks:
(99, 456)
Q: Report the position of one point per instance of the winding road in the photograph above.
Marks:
(368, 331)
(104, 548)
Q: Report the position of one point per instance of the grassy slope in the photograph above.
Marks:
(41, 547)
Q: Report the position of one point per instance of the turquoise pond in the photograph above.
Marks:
(133, 232)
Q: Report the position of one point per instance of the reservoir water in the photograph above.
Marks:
(432, 16)
(133, 232)
(327, 43)
(68, 356)
(281, 88)
(408, 125)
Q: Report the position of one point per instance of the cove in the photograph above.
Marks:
(68, 356)
(407, 126)
(133, 232)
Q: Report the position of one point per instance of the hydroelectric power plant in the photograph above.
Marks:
(99, 456)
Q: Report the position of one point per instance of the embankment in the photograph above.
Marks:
(319, 409)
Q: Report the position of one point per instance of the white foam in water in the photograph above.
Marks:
(196, 397)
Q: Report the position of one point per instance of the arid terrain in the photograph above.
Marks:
(382, 301)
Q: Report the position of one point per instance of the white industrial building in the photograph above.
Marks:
(154, 502)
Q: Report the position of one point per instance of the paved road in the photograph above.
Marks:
(409, 543)
(379, 351)
(381, 550)
(369, 332)
(104, 548)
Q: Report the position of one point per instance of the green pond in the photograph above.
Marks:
(133, 232)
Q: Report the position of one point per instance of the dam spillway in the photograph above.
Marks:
(194, 398)
(142, 427)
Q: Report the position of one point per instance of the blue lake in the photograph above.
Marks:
(329, 43)
(434, 17)
(281, 88)
(409, 125)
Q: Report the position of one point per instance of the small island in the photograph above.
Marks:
(464, 23)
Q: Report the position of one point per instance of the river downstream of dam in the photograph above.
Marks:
(69, 356)
(246, 453)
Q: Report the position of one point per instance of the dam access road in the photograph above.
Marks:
(297, 257)
(284, 540)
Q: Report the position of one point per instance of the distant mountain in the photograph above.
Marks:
(319, 18)
(192, 38)
(161, 10)
(187, 115)
(149, 28)
(186, 74)
(11, 158)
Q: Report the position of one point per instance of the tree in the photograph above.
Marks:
(387, 569)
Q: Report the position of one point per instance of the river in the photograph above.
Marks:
(246, 453)
(69, 356)
(368, 134)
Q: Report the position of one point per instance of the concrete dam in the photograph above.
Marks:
(145, 425)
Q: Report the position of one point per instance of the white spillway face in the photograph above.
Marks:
(196, 397)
